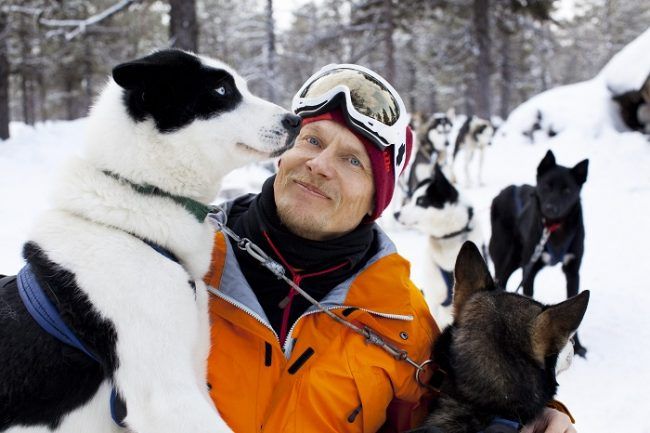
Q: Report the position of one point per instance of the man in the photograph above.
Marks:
(279, 364)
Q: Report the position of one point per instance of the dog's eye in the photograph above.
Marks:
(221, 90)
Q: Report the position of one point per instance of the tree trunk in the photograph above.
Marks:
(389, 45)
(412, 75)
(505, 82)
(26, 86)
(88, 89)
(484, 62)
(183, 27)
(270, 52)
(4, 79)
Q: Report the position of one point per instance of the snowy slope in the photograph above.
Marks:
(586, 107)
(607, 392)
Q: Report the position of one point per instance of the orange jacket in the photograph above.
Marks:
(326, 378)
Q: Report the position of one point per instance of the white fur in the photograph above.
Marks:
(162, 325)
(437, 223)
(565, 358)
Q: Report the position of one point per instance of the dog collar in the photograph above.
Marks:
(466, 229)
(199, 210)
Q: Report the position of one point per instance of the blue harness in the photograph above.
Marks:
(47, 316)
(448, 277)
(502, 425)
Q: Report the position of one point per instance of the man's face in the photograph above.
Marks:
(324, 186)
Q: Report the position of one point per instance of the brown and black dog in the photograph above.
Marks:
(501, 354)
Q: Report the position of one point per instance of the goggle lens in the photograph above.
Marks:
(369, 97)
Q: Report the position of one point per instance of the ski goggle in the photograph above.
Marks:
(370, 104)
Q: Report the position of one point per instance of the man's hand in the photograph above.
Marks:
(550, 421)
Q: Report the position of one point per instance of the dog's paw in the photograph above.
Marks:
(580, 350)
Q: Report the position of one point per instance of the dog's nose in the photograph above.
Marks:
(396, 215)
(291, 122)
(550, 208)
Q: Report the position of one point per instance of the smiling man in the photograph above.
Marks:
(278, 363)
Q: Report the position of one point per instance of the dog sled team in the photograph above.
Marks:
(141, 308)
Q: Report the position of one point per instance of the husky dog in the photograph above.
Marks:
(433, 143)
(520, 215)
(437, 210)
(474, 136)
(501, 355)
(123, 252)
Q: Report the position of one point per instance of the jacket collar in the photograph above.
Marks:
(365, 290)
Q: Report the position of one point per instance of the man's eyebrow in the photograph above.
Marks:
(361, 153)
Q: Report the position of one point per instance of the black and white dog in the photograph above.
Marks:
(123, 252)
(474, 136)
(521, 215)
(438, 210)
(433, 142)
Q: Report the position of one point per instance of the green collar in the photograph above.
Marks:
(199, 210)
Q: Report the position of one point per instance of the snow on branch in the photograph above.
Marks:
(80, 26)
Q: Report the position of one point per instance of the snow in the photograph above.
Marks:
(587, 106)
(607, 391)
(630, 67)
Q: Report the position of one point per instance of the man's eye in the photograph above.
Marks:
(313, 141)
(354, 161)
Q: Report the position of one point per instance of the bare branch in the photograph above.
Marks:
(80, 25)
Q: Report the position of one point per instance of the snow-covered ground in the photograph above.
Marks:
(608, 391)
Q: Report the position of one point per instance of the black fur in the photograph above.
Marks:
(426, 150)
(42, 379)
(439, 192)
(500, 353)
(465, 131)
(462, 133)
(518, 215)
(175, 88)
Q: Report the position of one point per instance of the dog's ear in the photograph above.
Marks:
(133, 75)
(579, 172)
(471, 275)
(451, 114)
(546, 164)
(440, 187)
(554, 326)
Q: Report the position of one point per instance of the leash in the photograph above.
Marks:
(278, 270)
(537, 253)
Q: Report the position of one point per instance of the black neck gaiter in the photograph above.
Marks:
(317, 266)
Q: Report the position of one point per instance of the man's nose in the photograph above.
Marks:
(322, 164)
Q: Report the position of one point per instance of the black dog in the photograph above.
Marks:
(501, 355)
(522, 215)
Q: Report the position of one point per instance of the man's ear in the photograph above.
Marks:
(556, 324)
(546, 164)
(471, 275)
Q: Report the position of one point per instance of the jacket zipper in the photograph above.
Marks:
(286, 349)
(244, 308)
